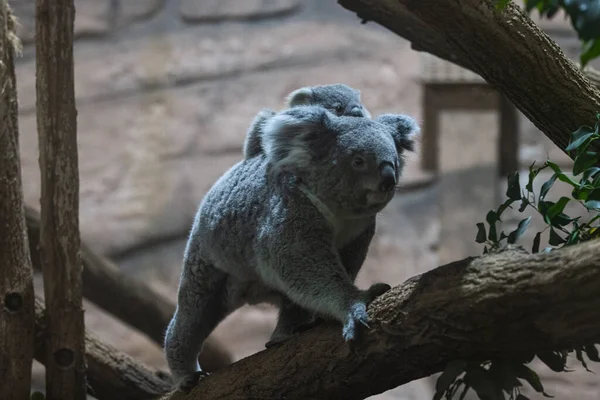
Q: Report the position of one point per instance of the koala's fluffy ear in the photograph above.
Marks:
(299, 97)
(405, 129)
(289, 136)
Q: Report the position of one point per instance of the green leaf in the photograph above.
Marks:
(579, 137)
(481, 383)
(588, 173)
(481, 236)
(589, 51)
(555, 239)
(531, 377)
(561, 175)
(491, 217)
(513, 191)
(557, 208)
(503, 208)
(547, 185)
(517, 233)
(532, 174)
(579, 356)
(584, 161)
(554, 361)
(524, 204)
(503, 375)
(536, 243)
(451, 372)
(592, 204)
(591, 352)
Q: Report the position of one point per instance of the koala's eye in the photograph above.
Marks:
(358, 162)
(339, 110)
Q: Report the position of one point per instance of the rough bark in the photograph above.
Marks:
(16, 275)
(112, 375)
(539, 80)
(498, 305)
(59, 233)
(131, 300)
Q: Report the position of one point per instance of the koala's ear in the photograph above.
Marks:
(405, 129)
(289, 135)
(299, 97)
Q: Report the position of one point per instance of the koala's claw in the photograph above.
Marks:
(358, 313)
(376, 290)
(188, 382)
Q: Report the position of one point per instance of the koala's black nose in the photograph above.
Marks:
(356, 112)
(388, 178)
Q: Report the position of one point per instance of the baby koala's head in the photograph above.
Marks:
(351, 164)
(338, 98)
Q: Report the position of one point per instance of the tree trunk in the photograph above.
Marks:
(112, 375)
(16, 275)
(506, 48)
(59, 233)
(129, 299)
(499, 305)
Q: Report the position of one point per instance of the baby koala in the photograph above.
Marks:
(338, 98)
(291, 227)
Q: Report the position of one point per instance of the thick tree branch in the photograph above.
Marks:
(129, 299)
(110, 374)
(543, 84)
(16, 275)
(498, 305)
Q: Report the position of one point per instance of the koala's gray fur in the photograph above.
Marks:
(291, 226)
(338, 98)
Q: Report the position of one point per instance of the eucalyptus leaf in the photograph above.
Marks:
(451, 372)
(557, 208)
(531, 377)
(554, 361)
(536, 243)
(555, 239)
(591, 352)
(481, 235)
(579, 137)
(514, 187)
(584, 161)
(547, 185)
(521, 228)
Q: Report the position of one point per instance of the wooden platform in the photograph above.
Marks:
(446, 86)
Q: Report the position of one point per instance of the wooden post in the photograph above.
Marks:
(17, 319)
(59, 233)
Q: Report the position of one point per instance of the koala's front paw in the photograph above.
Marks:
(357, 315)
(187, 383)
(376, 290)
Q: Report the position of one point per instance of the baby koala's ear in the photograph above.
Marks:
(299, 97)
(405, 129)
(289, 135)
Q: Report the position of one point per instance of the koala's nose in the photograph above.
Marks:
(388, 179)
(356, 111)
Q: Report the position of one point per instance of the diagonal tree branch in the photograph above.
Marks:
(111, 374)
(131, 300)
(506, 48)
(499, 305)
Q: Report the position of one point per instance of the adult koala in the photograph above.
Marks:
(291, 226)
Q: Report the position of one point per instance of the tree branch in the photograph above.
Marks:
(16, 275)
(129, 299)
(498, 305)
(111, 374)
(539, 80)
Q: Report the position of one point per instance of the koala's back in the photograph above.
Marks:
(229, 216)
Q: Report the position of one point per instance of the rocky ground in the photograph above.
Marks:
(165, 92)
